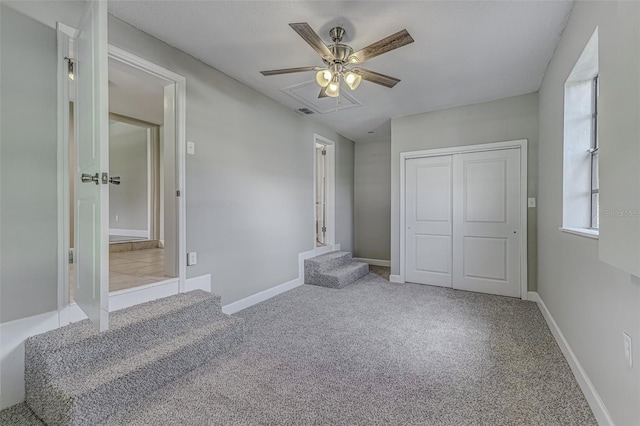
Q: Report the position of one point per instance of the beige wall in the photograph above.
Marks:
(496, 121)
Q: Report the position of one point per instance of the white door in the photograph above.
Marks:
(321, 199)
(429, 189)
(486, 222)
(92, 151)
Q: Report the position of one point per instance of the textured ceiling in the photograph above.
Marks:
(464, 52)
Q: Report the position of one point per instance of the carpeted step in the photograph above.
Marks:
(148, 346)
(325, 263)
(342, 276)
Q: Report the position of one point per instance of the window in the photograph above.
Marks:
(580, 184)
(595, 181)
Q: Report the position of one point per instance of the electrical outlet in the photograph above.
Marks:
(531, 202)
(192, 258)
(628, 353)
(117, 218)
(191, 148)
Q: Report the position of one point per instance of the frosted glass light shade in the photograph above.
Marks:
(333, 89)
(324, 77)
(352, 79)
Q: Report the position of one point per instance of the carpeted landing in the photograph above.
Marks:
(375, 353)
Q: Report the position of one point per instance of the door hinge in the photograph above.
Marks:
(70, 256)
(324, 152)
(177, 193)
(324, 229)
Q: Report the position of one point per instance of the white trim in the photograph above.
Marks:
(583, 232)
(396, 279)
(588, 389)
(64, 33)
(330, 147)
(374, 262)
(520, 143)
(532, 296)
(325, 249)
(141, 233)
(181, 141)
(203, 282)
(241, 304)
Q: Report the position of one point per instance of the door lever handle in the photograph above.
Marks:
(87, 178)
(115, 180)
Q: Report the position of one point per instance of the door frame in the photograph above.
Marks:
(495, 146)
(65, 33)
(330, 191)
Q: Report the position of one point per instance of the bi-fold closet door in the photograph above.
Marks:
(463, 221)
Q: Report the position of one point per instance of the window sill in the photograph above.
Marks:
(583, 232)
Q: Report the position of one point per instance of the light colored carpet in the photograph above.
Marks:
(375, 353)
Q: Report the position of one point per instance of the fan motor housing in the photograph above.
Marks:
(341, 52)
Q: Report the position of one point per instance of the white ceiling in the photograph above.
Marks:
(464, 52)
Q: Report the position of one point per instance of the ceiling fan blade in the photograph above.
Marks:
(323, 93)
(392, 42)
(376, 77)
(290, 70)
(305, 31)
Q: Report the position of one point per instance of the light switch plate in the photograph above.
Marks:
(192, 258)
(531, 202)
(191, 148)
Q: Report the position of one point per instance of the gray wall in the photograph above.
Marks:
(249, 188)
(128, 160)
(373, 199)
(28, 227)
(250, 206)
(496, 121)
(592, 303)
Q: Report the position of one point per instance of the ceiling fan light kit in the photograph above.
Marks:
(339, 59)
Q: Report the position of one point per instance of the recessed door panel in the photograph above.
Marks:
(492, 264)
(433, 253)
(485, 190)
(433, 193)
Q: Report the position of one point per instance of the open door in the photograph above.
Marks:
(92, 162)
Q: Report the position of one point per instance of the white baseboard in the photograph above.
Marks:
(588, 389)
(142, 233)
(532, 296)
(396, 279)
(374, 262)
(14, 333)
(241, 304)
(281, 288)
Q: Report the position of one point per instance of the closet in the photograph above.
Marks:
(463, 221)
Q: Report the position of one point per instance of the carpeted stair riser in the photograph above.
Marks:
(334, 270)
(325, 263)
(343, 276)
(76, 405)
(61, 356)
(178, 341)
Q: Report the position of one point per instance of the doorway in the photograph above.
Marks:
(324, 191)
(155, 216)
(464, 218)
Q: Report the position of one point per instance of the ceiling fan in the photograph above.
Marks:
(341, 61)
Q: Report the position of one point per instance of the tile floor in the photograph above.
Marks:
(131, 269)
